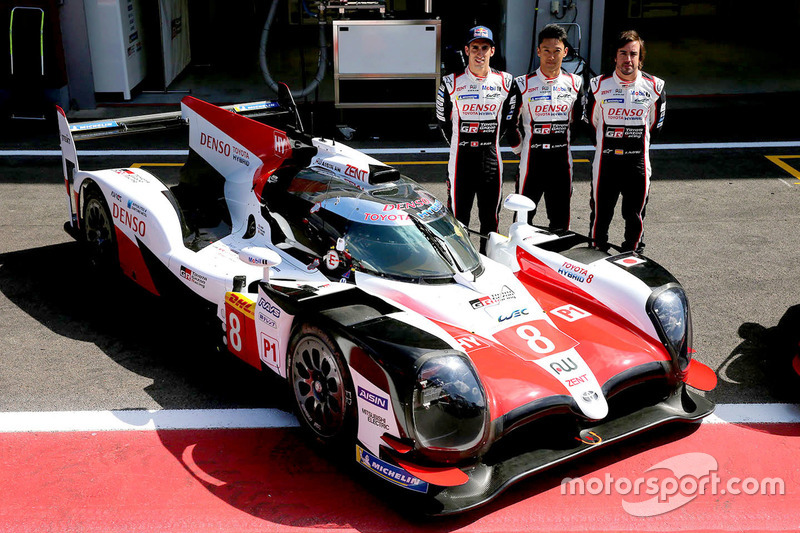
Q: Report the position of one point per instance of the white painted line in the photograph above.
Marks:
(86, 153)
(141, 420)
(755, 413)
(587, 148)
(411, 151)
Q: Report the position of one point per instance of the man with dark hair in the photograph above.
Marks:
(474, 110)
(623, 109)
(545, 112)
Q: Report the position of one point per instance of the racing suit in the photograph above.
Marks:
(545, 112)
(623, 114)
(473, 114)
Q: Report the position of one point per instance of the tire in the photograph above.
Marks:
(322, 386)
(98, 231)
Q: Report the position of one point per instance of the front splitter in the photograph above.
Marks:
(488, 480)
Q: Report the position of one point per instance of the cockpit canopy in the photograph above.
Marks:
(396, 229)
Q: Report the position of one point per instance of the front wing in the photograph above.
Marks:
(494, 474)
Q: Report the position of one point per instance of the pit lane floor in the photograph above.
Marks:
(723, 221)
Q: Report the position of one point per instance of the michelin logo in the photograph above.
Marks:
(390, 472)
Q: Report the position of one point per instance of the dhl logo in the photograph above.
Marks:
(241, 303)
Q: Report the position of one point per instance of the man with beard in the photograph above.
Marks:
(623, 109)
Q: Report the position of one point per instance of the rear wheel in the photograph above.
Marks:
(98, 231)
(322, 386)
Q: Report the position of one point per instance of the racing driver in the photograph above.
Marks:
(474, 110)
(623, 109)
(546, 105)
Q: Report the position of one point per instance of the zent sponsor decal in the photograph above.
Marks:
(390, 472)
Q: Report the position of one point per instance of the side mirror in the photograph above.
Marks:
(519, 204)
(254, 255)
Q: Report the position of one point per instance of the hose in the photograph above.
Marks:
(262, 56)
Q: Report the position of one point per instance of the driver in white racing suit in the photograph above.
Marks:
(623, 108)
(474, 110)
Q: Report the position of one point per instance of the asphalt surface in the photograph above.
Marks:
(724, 221)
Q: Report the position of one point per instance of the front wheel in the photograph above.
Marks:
(322, 385)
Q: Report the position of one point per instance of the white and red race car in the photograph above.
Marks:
(443, 371)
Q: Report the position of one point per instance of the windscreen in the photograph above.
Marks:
(413, 236)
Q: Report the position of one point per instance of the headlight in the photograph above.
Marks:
(449, 405)
(669, 311)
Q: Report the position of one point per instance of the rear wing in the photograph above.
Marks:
(114, 127)
(69, 134)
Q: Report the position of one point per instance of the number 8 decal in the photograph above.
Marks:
(234, 328)
(240, 330)
(536, 341)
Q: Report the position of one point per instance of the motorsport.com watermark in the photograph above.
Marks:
(692, 475)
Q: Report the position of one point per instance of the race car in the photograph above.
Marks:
(446, 373)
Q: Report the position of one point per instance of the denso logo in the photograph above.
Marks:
(269, 308)
(373, 398)
(551, 108)
(414, 204)
(620, 112)
(472, 108)
(216, 145)
(133, 222)
(516, 314)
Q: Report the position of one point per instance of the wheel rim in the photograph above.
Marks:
(317, 381)
(98, 227)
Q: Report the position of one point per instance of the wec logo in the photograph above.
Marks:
(516, 314)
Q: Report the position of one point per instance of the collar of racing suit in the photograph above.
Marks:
(625, 83)
(544, 78)
(474, 76)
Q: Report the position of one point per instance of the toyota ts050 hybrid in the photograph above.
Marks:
(442, 371)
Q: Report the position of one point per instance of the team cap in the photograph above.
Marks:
(480, 32)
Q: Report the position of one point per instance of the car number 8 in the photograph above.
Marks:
(234, 332)
(536, 341)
